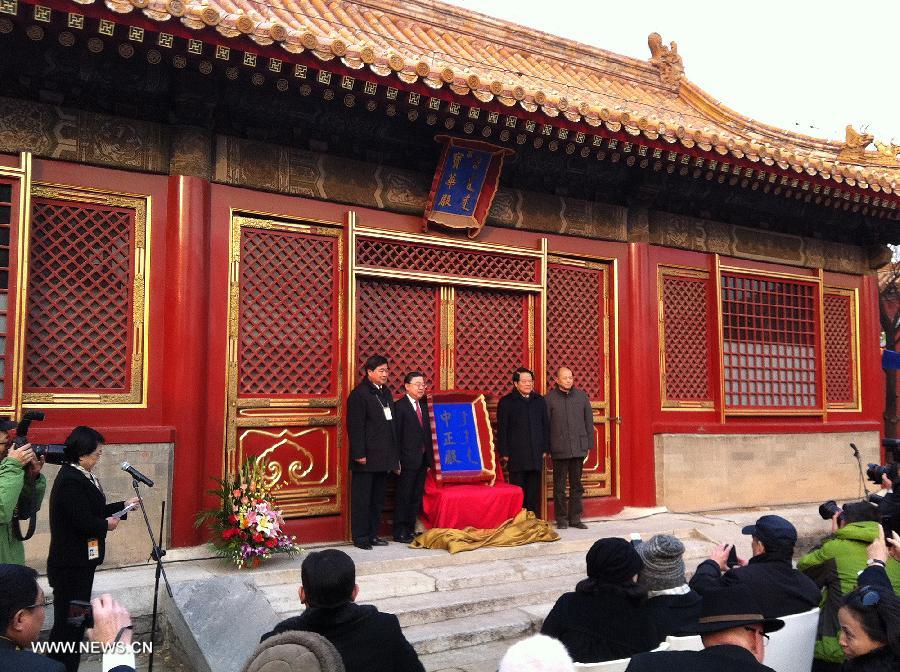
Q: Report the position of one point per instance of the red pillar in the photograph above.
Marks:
(185, 366)
(639, 371)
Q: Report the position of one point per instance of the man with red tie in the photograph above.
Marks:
(416, 453)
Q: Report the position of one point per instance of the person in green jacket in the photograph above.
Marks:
(834, 565)
(20, 472)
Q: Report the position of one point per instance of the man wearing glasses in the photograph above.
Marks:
(23, 607)
(734, 634)
(20, 476)
(416, 453)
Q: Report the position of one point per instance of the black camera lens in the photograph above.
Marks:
(828, 509)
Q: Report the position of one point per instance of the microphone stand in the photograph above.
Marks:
(862, 478)
(156, 554)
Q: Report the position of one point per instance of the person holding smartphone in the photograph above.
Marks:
(80, 519)
(777, 586)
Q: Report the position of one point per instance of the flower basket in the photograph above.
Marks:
(246, 527)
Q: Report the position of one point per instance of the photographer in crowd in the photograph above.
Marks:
(79, 521)
(20, 480)
(22, 612)
(834, 566)
(779, 589)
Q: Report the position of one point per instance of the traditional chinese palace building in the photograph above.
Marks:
(211, 212)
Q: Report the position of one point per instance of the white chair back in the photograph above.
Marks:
(689, 643)
(614, 665)
(791, 648)
(606, 666)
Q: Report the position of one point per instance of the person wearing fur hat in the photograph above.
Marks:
(604, 617)
(674, 605)
(734, 634)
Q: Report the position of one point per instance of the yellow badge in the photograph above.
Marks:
(93, 549)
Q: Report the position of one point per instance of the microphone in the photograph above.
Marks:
(855, 450)
(136, 475)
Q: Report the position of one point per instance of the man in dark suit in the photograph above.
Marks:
(523, 437)
(416, 453)
(371, 429)
(734, 633)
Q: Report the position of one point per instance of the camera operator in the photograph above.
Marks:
(889, 505)
(20, 479)
(22, 612)
(79, 521)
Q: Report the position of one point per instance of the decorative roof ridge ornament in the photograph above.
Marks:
(854, 147)
(888, 149)
(666, 59)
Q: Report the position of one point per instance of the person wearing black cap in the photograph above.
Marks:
(778, 587)
(603, 619)
(20, 477)
(734, 633)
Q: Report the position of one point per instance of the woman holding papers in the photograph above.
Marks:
(80, 517)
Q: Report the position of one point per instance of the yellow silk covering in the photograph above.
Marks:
(525, 528)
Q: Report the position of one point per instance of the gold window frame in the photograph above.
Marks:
(136, 397)
(666, 404)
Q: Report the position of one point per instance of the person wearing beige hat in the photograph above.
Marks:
(295, 651)
(674, 605)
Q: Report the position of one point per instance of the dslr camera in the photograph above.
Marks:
(53, 453)
(874, 472)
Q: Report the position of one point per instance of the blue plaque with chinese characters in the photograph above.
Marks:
(462, 438)
(464, 184)
(457, 440)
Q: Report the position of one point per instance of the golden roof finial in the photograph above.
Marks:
(666, 59)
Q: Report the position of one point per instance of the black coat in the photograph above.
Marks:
(371, 435)
(777, 586)
(714, 659)
(675, 614)
(523, 431)
(368, 640)
(413, 438)
(25, 661)
(600, 626)
(78, 512)
(879, 660)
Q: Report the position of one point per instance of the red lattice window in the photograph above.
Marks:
(840, 349)
(685, 331)
(81, 279)
(445, 261)
(490, 339)
(575, 323)
(6, 321)
(770, 346)
(288, 313)
(399, 321)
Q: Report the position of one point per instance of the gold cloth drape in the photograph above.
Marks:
(525, 528)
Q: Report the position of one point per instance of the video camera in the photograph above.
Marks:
(53, 453)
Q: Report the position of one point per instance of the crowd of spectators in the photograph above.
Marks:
(634, 596)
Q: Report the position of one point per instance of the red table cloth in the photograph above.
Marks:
(461, 506)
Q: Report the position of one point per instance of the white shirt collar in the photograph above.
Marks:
(412, 401)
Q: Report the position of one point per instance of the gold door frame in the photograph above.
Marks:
(263, 413)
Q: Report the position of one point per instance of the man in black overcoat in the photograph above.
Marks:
(733, 630)
(416, 453)
(371, 420)
(523, 436)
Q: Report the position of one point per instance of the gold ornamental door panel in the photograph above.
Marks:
(578, 337)
(284, 366)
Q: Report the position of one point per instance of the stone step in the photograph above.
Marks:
(478, 658)
(445, 605)
(458, 633)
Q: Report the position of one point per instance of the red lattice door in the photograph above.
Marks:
(578, 337)
(284, 369)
